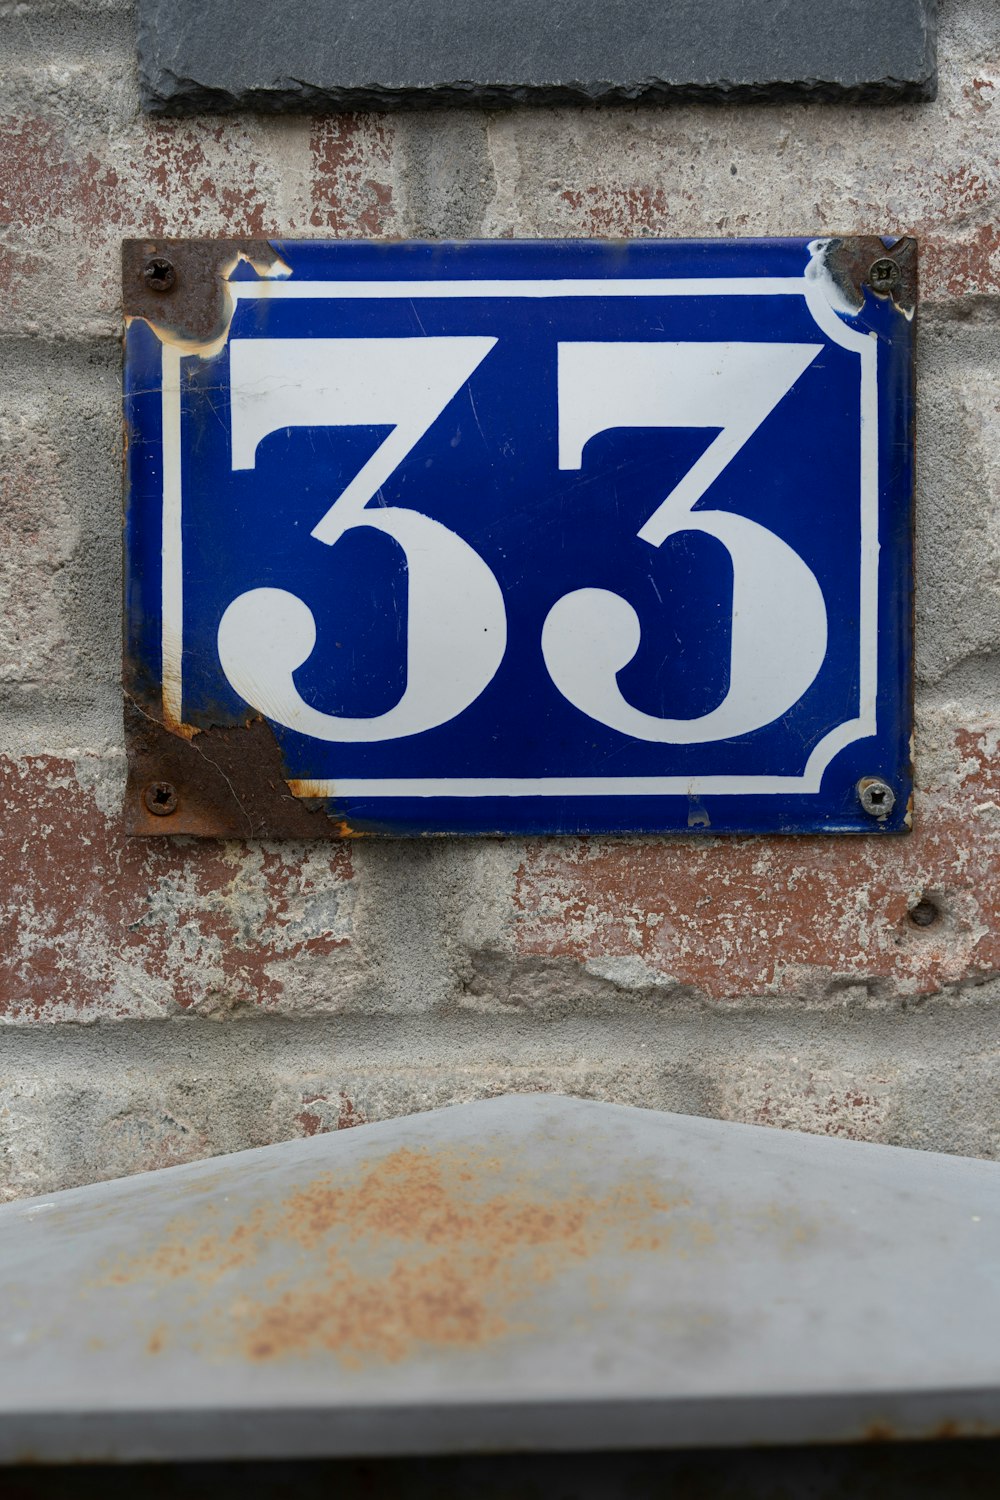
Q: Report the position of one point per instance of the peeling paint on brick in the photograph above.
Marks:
(788, 917)
(822, 1101)
(65, 205)
(34, 546)
(95, 925)
(352, 166)
(178, 176)
(320, 1113)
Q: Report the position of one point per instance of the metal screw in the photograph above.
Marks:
(158, 274)
(924, 914)
(885, 276)
(160, 798)
(876, 796)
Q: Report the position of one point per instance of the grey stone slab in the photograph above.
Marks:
(344, 54)
(525, 1273)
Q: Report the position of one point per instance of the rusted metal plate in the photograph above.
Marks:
(519, 537)
(523, 1273)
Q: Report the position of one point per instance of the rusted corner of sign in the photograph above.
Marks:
(179, 286)
(222, 783)
(886, 267)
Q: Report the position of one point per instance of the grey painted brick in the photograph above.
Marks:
(60, 527)
(958, 521)
(86, 1103)
(223, 54)
(52, 32)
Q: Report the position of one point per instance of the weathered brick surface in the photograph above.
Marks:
(958, 517)
(250, 993)
(60, 520)
(81, 169)
(928, 170)
(795, 916)
(82, 1103)
(352, 188)
(96, 925)
(68, 197)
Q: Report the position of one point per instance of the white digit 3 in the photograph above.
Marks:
(457, 624)
(779, 628)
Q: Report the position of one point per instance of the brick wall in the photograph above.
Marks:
(165, 1000)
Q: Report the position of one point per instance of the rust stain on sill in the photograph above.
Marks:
(953, 1429)
(424, 1248)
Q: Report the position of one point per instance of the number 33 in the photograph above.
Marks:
(457, 622)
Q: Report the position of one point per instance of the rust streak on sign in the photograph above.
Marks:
(229, 781)
(852, 260)
(422, 1250)
(226, 778)
(191, 305)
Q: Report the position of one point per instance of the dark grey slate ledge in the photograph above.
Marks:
(217, 55)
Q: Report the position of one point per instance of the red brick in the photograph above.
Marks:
(782, 916)
(175, 176)
(65, 206)
(351, 176)
(96, 924)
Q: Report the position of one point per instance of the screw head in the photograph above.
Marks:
(158, 274)
(924, 914)
(160, 798)
(885, 276)
(876, 797)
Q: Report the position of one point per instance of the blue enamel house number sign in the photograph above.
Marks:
(519, 537)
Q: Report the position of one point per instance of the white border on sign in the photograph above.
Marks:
(813, 287)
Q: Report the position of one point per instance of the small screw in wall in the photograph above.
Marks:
(160, 798)
(876, 797)
(158, 274)
(885, 276)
